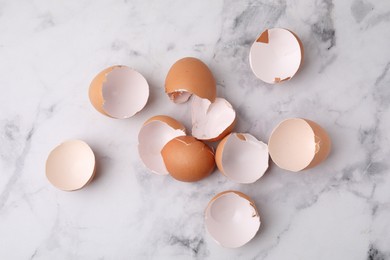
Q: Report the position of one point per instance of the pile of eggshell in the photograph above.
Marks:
(166, 148)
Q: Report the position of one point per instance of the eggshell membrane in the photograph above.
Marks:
(190, 76)
(71, 165)
(153, 136)
(231, 218)
(188, 159)
(276, 55)
(119, 92)
(242, 158)
(297, 144)
(212, 121)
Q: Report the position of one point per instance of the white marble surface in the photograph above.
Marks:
(49, 52)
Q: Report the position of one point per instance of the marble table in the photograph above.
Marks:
(50, 51)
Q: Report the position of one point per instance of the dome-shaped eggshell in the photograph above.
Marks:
(188, 159)
(192, 76)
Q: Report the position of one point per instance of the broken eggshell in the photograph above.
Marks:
(188, 159)
(212, 121)
(297, 144)
(242, 158)
(71, 165)
(231, 218)
(119, 92)
(190, 76)
(155, 133)
(276, 55)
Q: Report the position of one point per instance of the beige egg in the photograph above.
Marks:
(119, 92)
(242, 158)
(297, 144)
(190, 76)
(276, 55)
(212, 121)
(155, 133)
(71, 165)
(232, 219)
(188, 159)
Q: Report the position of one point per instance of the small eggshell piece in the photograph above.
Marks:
(212, 121)
(231, 218)
(153, 136)
(71, 165)
(276, 55)
(188, 159)
(297, 144)
(242, 158)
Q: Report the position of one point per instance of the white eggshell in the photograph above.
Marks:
(71, 165)
(125, 92)
(152, 138)
(276, 55)
(244, 159)
(232, 219)
(211, 120)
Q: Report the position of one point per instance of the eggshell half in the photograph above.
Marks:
(212, 121)
(71, 165)
(153, 136)
(190, 76)
(297, 144)
(231, 218)
(276, 55)
(119, 92)
(242, 158)
(188, 159)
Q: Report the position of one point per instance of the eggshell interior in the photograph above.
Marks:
(294, 145)
(276, 55)
(242, 158)
(119, 92)
(212, 121)
(188, 159)
(231, 218)
(71, 165)
(125, 92)
(153, 136)
(190, 76)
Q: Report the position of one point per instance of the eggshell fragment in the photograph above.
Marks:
(119, 92)
(71, 165)
(242, 158)
(276, 55)
(231, 218)
(153, 136)
(188, 159)
(212, 121)
(190, 76)
(297, 144)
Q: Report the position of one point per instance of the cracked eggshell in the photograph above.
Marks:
(212, 121)
(190, 76)
(71, 165)
(242, 158)
(155, 133)
(119, 92)
(297, 144)
(276, 55)
(188, 159)
(231, 218)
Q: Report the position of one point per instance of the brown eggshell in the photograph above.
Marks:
(297, 144)
(190, 76)
(119, 92)
(232, 219)
(188, 159)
